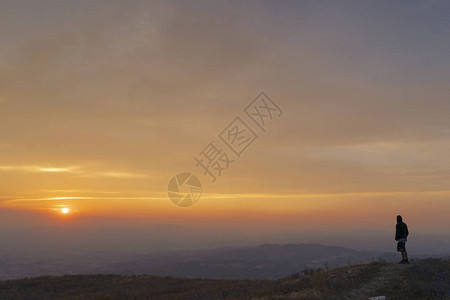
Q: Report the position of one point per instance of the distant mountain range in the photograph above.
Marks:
(267, 261)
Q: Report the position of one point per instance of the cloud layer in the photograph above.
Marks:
(129, 91)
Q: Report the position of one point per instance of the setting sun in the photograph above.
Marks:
(65, 210)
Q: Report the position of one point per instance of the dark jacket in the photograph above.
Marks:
(401, 231)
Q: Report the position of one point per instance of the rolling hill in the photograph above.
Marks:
(267, 261)
(423, 279)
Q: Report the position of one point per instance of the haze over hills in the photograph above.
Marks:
(267, 261)
(119, 245)
(95, 245)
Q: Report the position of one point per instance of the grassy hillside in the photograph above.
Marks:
(424, 279)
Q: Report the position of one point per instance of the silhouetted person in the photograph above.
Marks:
(401, 233)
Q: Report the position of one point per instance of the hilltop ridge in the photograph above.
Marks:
(422, 279)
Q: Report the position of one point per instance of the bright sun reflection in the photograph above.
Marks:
(65, 210)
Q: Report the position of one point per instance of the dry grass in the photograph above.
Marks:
(426, 279)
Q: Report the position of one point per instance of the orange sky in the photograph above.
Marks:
(101, 105)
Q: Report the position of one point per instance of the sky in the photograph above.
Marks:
(103, 102)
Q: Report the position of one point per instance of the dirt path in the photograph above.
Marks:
(386, 276)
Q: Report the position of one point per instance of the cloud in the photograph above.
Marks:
(115, 174)
(139, 88)
(37, 169)
(74, 170)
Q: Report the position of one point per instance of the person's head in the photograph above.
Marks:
(399, 219)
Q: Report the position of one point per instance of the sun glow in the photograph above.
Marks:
(65, 210)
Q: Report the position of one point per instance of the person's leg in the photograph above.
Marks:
(405, 254)
(403, 257)
(402, 250)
